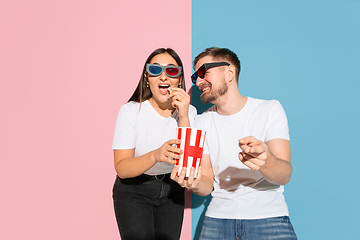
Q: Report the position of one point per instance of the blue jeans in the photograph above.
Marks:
(257, 229)
(148, 207)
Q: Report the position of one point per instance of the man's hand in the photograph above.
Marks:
(272, 158)
(254, 152)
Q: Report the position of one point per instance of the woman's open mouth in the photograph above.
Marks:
(164, 88)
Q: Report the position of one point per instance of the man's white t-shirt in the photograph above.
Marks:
(140, 127)
(239, 192)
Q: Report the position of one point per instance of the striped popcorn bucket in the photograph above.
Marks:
(192, 144)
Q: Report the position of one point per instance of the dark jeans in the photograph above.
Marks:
(148, 207)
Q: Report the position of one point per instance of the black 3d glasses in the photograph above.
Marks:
(202, 70)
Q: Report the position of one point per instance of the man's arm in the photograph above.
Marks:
(203, 184)
(272, 159)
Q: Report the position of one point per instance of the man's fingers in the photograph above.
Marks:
(250, 161)
(244, 148)
(247, 140)
(256, 161)
(253, 146)
(251, 165)
(257, 149)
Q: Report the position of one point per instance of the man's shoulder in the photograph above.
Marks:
(262, 103)
(209, 112)
(205, 118)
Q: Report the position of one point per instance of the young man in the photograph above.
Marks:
(246, 160)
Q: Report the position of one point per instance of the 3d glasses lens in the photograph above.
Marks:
(171, 71)
(194, 78)
(199, 73)
(155, 70)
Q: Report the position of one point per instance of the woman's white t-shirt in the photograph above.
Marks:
(140, 127)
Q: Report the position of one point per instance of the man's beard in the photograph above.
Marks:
(212, 95)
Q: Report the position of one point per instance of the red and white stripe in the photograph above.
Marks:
(192, 143)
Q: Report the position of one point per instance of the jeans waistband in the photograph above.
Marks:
(145, 177)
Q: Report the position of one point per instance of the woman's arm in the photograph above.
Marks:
(181, 101)
(127, 166)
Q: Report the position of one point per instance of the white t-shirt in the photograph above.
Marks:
(239, 192)
(143, 129)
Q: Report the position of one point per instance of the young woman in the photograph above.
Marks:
(148, 204)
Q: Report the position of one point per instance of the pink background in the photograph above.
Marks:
(66, 67)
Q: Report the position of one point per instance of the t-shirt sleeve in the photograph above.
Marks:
(200, 124)
(192, 115)
(124, 134)
(277, 124)
(206, 147)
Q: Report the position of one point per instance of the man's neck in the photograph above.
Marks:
(230, 103)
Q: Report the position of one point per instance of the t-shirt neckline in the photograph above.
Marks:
(152, 109)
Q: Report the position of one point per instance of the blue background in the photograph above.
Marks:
(306, 55)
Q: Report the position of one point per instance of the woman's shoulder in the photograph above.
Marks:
(130, 105)
(130, 108)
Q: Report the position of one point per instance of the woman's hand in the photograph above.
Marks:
(180, 101)
(203, 184)
(190, 182)
(168, 152)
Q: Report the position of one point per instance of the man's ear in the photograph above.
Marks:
(230, 73)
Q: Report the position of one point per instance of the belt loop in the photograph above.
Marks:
(162, 178)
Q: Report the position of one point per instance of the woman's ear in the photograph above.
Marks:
(180, 81)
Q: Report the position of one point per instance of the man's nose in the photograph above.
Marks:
(199, 81)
